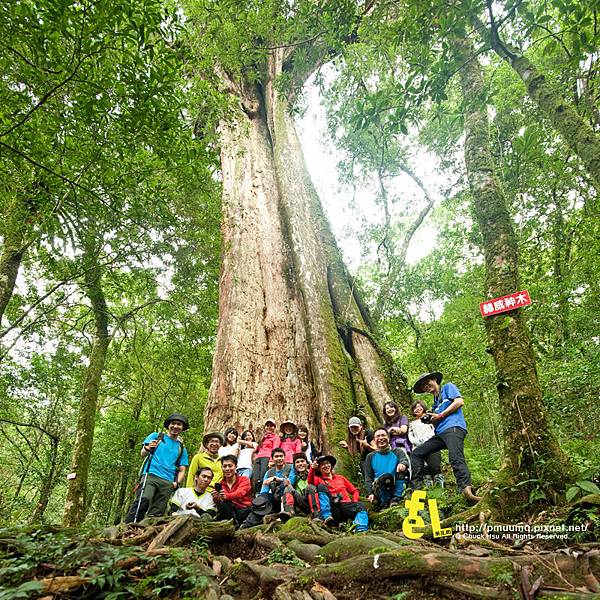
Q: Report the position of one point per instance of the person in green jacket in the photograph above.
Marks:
(208, 458)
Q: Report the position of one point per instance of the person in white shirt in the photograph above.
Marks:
(196, 501)
(419, 433)
(231, 446)
(247, 444)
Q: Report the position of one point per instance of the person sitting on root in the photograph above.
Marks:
(163, 470)
(396, 424)
(209, 457)
(338, 498)
(358, 441)
(386, 471)
(196, 501)
(450, 430)
(308, 448)
(290, 443)
(419, 433)
(302, 497)
(233, 495)
(262, 456)
(247, 449)
(278, 477)
(230, 445)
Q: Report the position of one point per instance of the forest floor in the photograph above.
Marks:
(182, 557)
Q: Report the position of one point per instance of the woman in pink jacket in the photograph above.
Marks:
(269, 441)
(290, 442)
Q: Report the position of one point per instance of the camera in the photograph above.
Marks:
(426, 418)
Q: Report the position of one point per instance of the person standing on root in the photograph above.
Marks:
(163, 470)
(359, 441)
(386, 472)
(450, 430)
(209, 457)
(196, 501)
(308, 448)
(419, 433)
(337, 496)
(262, 456)
(289, 441)
(396, 424)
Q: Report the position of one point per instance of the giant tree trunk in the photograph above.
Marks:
(530, 450)
(292, 328)
(82, 449)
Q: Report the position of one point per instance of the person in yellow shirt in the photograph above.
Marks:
(208, 458)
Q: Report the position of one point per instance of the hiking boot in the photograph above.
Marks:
(395, 501)
(439, 480)
(428, 481)
(289, 510)
(330, 522)
(470, 496)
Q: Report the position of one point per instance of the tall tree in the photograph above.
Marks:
(294, 338)
(531, 451)
(84, 438)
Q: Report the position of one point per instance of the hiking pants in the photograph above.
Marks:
(228, 510)
(306, 502)
(261, 466)
(343, 511)
(454, 440)
(384, 495)
(154, 502)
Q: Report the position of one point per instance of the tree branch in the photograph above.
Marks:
(400, 260)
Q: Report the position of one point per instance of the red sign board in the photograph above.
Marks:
(504, 303)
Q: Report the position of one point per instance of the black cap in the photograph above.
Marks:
(327, 457)
(177, 417)
(261, 505)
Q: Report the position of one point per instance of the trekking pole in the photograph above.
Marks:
(143, 486)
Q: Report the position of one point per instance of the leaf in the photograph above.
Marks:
(536, 494)
(571, 493)
(588, 486)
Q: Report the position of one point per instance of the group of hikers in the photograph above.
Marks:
(237, 477)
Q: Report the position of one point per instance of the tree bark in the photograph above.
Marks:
(82, 449)
(575, 131)
(14, 246)
(291, 325)
(530, 450)
(48, 483)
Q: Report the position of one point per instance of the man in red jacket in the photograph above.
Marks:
(337, 496)
(233, 496)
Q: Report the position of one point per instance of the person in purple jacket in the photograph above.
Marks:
(450, 430)
(396, 425)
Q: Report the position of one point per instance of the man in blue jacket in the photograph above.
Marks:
(386, 471)
(450, 430)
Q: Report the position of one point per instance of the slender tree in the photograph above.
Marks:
(575, 131)
(75, 503)
(530, 450)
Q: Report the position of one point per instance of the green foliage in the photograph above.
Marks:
(34, 551)
(285, 556)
